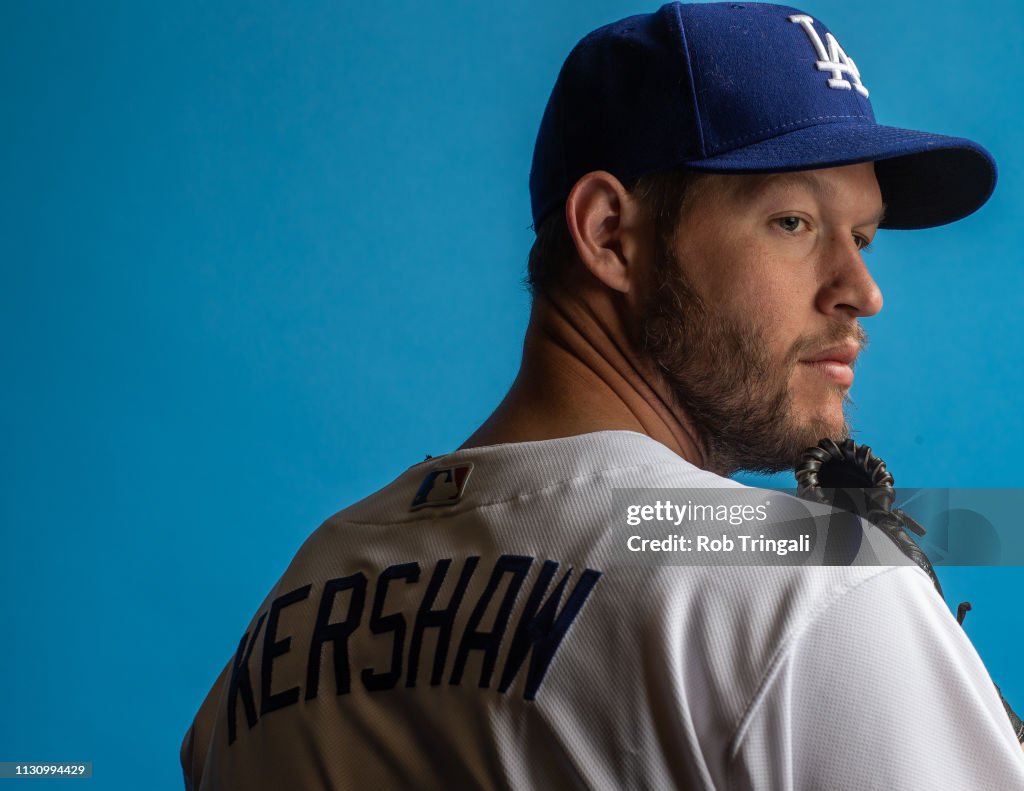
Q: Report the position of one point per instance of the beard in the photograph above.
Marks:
(722, 375)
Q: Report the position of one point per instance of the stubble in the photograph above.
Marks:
(724, 378)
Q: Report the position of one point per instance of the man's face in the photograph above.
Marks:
(752, 317)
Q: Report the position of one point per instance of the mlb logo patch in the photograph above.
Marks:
(442, 487)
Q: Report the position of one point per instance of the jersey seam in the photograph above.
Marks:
(784, 649)
(425, 515)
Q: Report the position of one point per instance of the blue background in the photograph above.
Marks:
(259, 259)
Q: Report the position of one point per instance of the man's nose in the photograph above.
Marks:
(848, 287)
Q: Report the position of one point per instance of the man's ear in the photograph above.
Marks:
(607, 226)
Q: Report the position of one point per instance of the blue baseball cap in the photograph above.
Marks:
(739, 88)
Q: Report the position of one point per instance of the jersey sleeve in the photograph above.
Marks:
(196, 741)
(882, 689)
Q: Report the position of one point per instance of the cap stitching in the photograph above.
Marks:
(784, 126)
(698, 115)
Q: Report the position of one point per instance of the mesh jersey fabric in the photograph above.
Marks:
(703, 677)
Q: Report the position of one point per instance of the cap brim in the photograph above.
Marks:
(926, 179)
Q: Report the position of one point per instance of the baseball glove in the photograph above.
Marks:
(830, 471)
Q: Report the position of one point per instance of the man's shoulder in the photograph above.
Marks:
(526, 473)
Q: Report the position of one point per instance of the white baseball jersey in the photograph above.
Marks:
(478, 623)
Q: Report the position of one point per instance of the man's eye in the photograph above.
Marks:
(790, 224)
(862, 242)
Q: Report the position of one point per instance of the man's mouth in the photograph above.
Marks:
(835, 363)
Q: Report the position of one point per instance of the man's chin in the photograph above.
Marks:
(800, 435)
(826, 420)
(815, 431)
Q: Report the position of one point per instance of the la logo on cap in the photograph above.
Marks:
(442, 487)
(833, 59)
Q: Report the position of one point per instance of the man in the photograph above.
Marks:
(704, 182)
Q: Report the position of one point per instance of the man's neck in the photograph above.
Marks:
(580, 374)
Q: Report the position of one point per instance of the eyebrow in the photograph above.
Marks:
(823, 190)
